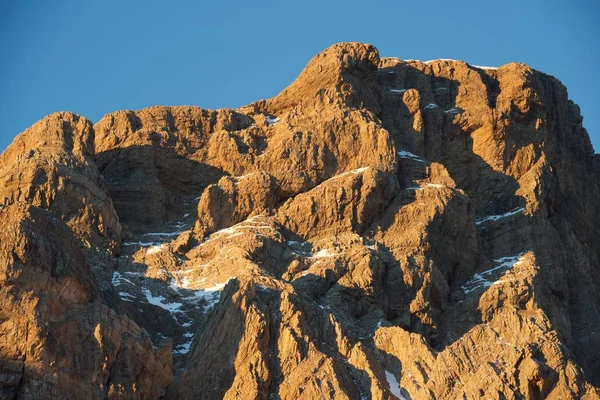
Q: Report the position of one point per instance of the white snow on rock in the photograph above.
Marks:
(160, 302)
(398, 90)
(117, 279)
(450, 59)
(210, 295)
(394, 385)
(127, 297)
(233, 231)
(158, 238)
(300, 248)
(184, 295)
(164, 234)
(324, 253)
(482, 67)
(410, 156)
(272, 120)
(371, 245)
(154, 249)
(238, 179)
(433, 185)
(489, 277)
(346, 173)
(431, 105)
(141, 244)
(500, 216)
(453, 111)
(183, 348)
(356, 171)
(162, 237)
(440, 59)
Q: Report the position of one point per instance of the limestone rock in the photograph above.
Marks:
(380, 229)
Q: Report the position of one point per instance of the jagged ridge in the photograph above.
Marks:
(382, 228)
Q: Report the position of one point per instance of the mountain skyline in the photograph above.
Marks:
(99, 57)
(380, 229)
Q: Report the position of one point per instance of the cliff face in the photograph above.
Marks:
(380, 229)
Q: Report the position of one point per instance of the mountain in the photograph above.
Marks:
(382, 229)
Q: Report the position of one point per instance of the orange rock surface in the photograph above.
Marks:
(380, 229)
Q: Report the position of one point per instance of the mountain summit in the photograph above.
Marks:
(381, 229)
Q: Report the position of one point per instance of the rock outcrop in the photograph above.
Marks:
(380, 229)
(64, 333)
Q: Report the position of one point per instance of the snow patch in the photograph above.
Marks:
(394, 385)
(358, 170)
(272, 120)
(500, 216)
(398, 90)
(487, 278)
(433, 185)
(453, 111)
(346, 173)
(210, 295)
(232, 231)
(431, 105)
(354, 172)
(154, 249)
(183, 348)
(482, 67)
(159, 301)
(441, 59)
(410, 156)
(164, 234)
(324, 253)
(127, 297)
(141, 244)
(117, 279)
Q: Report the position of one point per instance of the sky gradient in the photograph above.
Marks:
(94, 57)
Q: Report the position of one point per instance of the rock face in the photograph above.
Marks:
(380, 229)
(64, 333)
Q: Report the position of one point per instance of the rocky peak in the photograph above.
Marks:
(383, 228)
(345, 72)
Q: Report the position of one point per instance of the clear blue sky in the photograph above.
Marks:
(93, 57)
